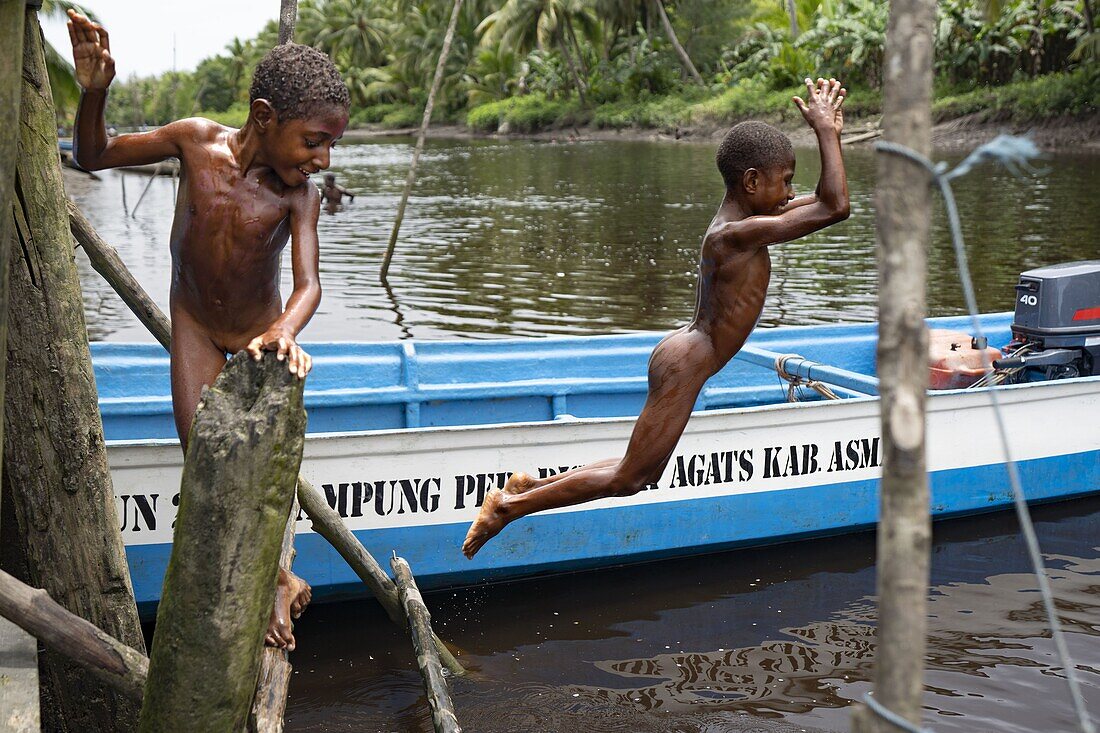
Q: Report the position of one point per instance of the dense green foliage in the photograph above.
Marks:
(537, 64)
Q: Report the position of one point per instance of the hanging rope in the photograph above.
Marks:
(1015, 154)
(795, 383)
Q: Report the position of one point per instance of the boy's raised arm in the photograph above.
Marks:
(829, 204)
(95, 69)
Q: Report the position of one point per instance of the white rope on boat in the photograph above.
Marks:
(795, 382)
(1014, 153)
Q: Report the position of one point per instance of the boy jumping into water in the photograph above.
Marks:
(758, 210)
(242, 194)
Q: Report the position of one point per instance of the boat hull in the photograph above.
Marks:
(739, 477)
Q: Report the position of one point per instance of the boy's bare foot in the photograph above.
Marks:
(518, 482)
(292, 595)
(490, 520)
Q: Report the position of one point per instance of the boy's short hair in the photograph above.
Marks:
(298, 80)
(751, 145)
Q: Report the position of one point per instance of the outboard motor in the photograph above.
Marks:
(1056, 328)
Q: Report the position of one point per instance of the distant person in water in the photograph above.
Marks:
(759, 209)
(243, 193)
(333, 194)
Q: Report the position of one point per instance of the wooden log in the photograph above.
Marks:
(420, 630)
(269, 704)
(55, 464)
(327, 523)
(105, 260)
(903, 213)
(32, 609)
(426, 120)
(243, 455)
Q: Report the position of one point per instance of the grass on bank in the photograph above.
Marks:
(1054, 95)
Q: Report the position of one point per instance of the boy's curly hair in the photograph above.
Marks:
(751, 145)
(298, 80)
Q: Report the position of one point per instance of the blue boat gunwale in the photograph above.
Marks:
(819, 405)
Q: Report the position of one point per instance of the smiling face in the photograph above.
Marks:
(770, 189)
(299, 147)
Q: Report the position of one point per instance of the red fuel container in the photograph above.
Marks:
(954, 362)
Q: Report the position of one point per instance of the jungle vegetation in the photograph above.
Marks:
(529, 65)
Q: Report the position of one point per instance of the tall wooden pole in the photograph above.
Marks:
(288, 19)
(903, 209)
(437, 81)
(243, 455)
(55, 463)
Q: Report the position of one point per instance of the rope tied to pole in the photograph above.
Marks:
(795, 383)
(1015, 153)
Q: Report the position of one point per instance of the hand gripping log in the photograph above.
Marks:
(326, 522)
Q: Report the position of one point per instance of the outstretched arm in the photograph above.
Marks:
(95, 69)
(830, 203)
(281, 335)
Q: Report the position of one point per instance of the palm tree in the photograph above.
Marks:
(352, 32)
(523, 25)
(685, 60)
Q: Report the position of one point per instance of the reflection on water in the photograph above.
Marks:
(524, 238)
(765, 640)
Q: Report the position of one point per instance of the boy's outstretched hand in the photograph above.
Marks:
(95, 69)
(285, 347)
(822, 108)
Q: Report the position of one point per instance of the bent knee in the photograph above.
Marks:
(629, 484)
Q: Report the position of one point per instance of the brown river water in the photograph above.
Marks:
(514, 238)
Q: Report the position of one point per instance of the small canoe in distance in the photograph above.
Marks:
(405, 439)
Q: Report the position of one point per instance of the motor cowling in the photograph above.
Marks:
(1056, 325)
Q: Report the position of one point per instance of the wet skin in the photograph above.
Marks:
(243, 194)
(734, 270)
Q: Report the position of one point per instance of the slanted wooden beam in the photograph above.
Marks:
(328, 524)
(31, 609)
(106, 262)
(420, 630)
(244, 451)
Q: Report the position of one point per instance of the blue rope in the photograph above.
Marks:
(1015, 154)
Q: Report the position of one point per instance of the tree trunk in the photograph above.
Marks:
(242, 462)
(903, 210)
(563, 46)
(1090, 22)
(685, 60)
(55, 465)
(426, 120)
(793, 13)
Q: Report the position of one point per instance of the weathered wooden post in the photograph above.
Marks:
(426, 120)
(242, 462)
(903, 210)
(55, 465)
(420, 630)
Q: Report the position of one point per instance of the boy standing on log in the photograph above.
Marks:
(759, 209)
(242, 194)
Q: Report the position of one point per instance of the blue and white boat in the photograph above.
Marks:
(405, 439)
